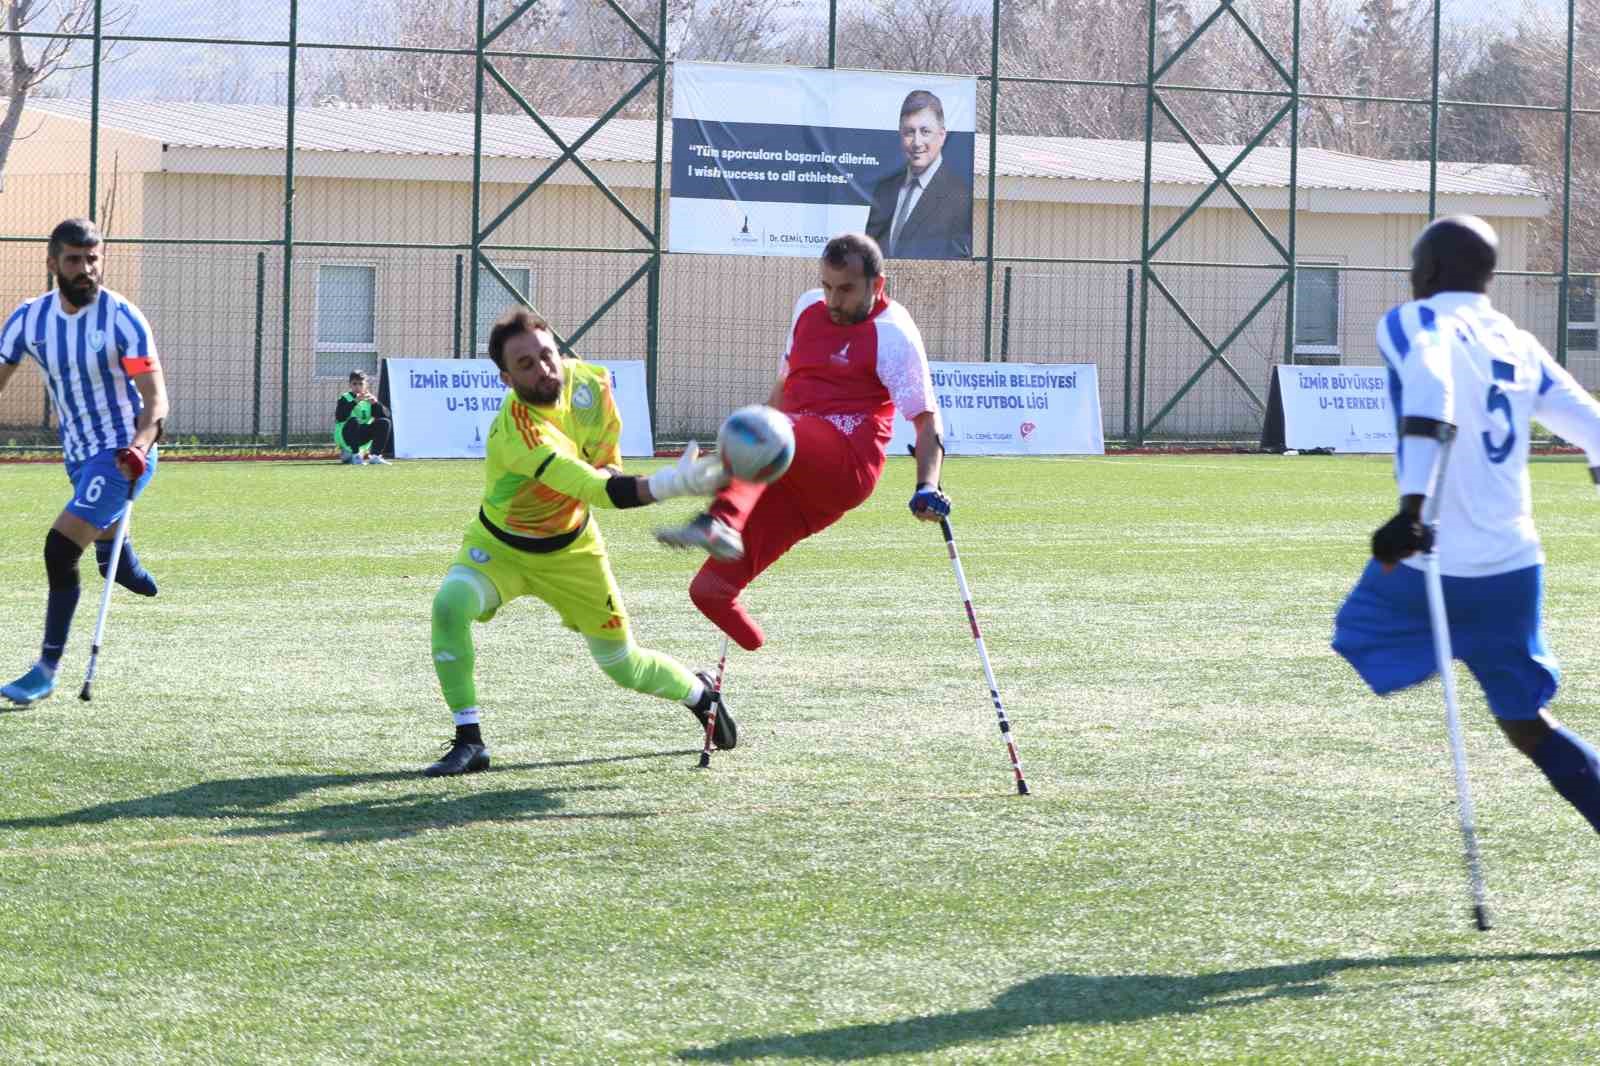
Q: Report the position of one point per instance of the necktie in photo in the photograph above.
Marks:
(900, 215)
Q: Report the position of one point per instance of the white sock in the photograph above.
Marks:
(695, 695)
(466, 716)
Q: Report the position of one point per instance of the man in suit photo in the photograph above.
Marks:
(924, 209)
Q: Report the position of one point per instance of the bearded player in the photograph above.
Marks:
(552, 456)
(110, 398)
(854, 356)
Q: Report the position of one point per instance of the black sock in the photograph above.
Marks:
(469, 734)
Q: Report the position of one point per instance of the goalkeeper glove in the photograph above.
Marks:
(692, 475)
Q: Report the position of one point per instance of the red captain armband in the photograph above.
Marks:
(134, 365)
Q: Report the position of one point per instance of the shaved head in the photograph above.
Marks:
(1453, 254)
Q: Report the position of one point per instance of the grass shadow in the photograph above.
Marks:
(258, 802)
(1082, 999)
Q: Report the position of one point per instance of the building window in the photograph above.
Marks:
(494, 300)
(1316, 314)
(347, 319)
(1582, 330)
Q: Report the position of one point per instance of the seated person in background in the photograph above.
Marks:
(361, 426)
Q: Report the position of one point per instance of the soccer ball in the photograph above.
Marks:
(756, 443)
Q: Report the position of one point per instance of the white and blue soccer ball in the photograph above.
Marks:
(756, 443)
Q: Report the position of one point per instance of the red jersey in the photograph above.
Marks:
(855, 376)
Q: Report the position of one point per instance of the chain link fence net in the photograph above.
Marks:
(384, 216)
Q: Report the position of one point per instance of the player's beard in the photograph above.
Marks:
(852, 317)
(80, 291)
(545, 394)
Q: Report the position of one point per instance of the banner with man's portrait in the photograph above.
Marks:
(778, 160)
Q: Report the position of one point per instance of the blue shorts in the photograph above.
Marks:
(100, 490)
(1384, 630)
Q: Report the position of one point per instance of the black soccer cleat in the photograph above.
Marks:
(726, 733)
(460, 759)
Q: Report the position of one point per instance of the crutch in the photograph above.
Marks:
(105, 597)
(1452, 715)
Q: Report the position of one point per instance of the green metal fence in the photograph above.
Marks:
(267, 281)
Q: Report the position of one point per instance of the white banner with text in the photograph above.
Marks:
(1339, 408)
(1014, 409)
(443, 408)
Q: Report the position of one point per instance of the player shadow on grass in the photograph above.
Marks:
(1082, 999)
(252, 806)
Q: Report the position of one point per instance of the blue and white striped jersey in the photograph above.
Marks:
(1454, 358)
(89, 360)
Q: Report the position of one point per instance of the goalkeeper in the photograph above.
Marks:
(552, 455)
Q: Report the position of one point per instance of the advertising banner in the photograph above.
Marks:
(779, 160)
(442, 408)
(1014, 409)
(1336, 408)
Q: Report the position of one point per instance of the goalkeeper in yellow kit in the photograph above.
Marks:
(552, 455)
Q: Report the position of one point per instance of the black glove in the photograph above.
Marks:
(1404, 534)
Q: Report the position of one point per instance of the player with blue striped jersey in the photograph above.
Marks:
(105, 382)
(1466, 386)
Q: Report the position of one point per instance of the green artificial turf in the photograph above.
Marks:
(1233, 852)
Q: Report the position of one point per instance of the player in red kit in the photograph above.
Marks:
(853, 357)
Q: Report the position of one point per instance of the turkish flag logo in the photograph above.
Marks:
(1027, 430)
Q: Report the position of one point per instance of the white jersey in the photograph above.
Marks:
(1454, 358)
(89, 361)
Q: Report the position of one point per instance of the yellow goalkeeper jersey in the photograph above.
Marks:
(542, 476)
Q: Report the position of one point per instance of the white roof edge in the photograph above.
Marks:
(178, 156)
(312, 163)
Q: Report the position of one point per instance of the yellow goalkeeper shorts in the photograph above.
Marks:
(576, 580)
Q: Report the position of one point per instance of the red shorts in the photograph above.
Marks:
(827, 478)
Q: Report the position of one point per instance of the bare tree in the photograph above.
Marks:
(717, 30)
(35, 60)
(412, 81)
(1530, 67)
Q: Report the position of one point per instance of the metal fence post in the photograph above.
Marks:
(833, 32)
(994, 140)
(477, 182)
(652, 325)
(455, 317)
(1127, 359)
(1005, 315)
(1563, 311)
(1291, 304)
(95, 63)
(261, 310)
(1144, 210)
(287, 299)
(652, 349)
(1433, 116)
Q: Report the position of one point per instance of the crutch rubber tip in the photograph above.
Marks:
(83, 693)
(1022, 788)
(1480, 915)
(705, 761)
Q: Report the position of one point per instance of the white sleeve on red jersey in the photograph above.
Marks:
(806, 300)
(903, 363)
